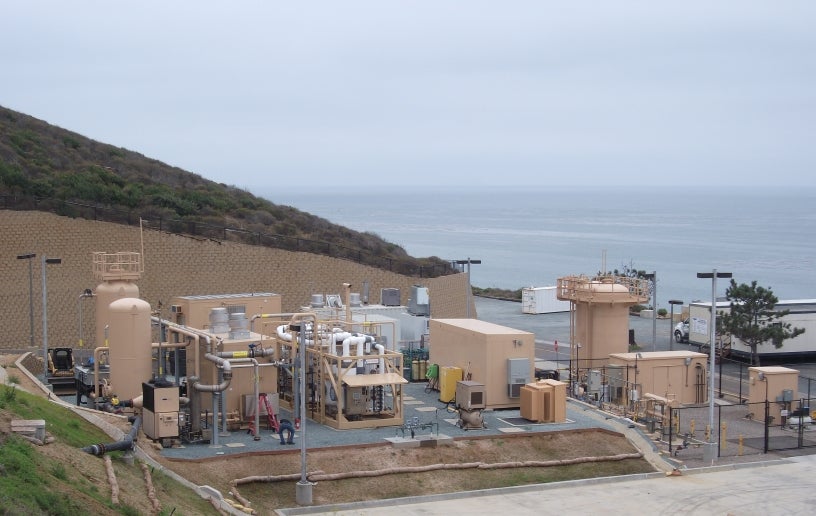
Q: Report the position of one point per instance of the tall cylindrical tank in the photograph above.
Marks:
(106, 293)
(129, 339)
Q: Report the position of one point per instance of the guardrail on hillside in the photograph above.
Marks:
(206, 230)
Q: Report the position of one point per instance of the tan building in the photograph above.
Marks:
(501, 358)
(677, 376)
(777, 384)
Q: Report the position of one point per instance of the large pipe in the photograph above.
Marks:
(215, 388)
(125, 444)
(225, 367)
(381, 364)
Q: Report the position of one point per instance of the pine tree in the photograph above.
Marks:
(753, 319)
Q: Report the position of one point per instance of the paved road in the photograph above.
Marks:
(782, 487)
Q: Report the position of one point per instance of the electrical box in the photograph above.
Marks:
(594, 382)
(470, 395)
(518, 374)
(355, 401)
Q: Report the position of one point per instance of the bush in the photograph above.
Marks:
(662, 312)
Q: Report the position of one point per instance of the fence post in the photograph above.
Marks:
(720, 424)
(767, 423)
(801, 432)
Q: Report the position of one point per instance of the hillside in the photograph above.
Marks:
(47, 168)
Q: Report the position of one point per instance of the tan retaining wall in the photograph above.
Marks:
(174, 265)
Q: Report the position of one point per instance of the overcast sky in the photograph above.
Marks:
(260, 94)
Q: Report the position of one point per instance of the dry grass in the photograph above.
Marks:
(265, 497)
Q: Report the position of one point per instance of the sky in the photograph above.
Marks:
(270, 94)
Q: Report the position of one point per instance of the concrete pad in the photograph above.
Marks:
(423, 441)
(512, 430)
(403, 442)
(30, 427)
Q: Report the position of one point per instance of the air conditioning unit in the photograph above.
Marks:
(176, 309)
(390, 297)
(518, 375)
(514, 388)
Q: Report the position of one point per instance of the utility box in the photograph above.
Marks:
(501, 358)
(544, 401)
(355, 401)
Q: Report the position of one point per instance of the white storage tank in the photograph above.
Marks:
(129, 339)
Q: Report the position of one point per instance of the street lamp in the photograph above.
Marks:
(713, 275)
(653, 276)
(89, 293)
(672, 302)
(29, 257)
(46, 261)
(469, 292)
(763, 378)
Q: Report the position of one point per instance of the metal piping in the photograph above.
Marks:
(125, 444)
(226, 368)
(217, 388)
(190, 332)
(96, 368)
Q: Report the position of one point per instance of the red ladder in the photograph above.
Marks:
(271, 417)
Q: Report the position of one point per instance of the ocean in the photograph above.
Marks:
(532, 236)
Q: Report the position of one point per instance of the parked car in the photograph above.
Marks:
(681, 331)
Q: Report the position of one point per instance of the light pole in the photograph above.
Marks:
(89, 293)
(653, 276)
(469, 292)
(46, 261)
(713, 275)
(672, 302)
(30, 257)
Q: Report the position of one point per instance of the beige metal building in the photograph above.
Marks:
(501, 358)
(677, 376)
(777, 384)
(226, 317)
